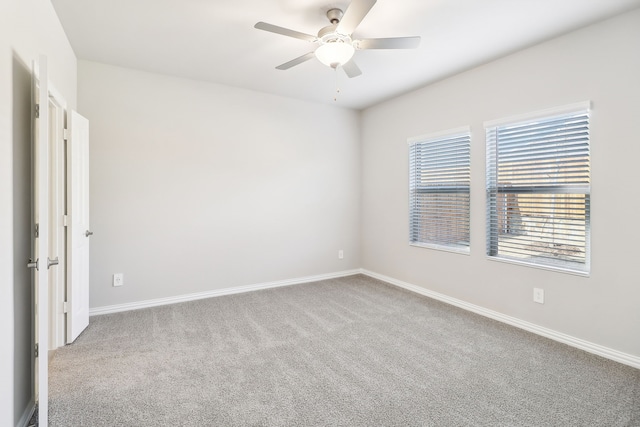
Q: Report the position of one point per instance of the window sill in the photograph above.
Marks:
(541, 267)
(461, 251)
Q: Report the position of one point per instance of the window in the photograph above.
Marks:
(538, 185)
(439, 175)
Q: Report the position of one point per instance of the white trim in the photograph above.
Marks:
(463, 130)
(548, 267)
(442, 248)
(215, 293)
(54, 94)
(571, 108)
(27, 414)
(581, 344)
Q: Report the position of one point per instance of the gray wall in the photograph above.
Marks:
(600, 63)
(197, 187)
(28, 28)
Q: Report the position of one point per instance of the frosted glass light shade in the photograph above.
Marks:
(335, 54)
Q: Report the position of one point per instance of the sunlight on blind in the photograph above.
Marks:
(538, 185)
(439, 177)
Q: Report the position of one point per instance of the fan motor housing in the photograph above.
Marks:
(330, 29)
(329, 35)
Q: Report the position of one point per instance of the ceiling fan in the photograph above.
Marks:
(336, 44)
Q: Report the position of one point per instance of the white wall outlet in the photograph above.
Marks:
(340, 254)
(118, 279)
(538, 295)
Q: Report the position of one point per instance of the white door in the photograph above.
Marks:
(78, 226)
(42, 263)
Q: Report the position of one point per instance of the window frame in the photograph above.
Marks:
(439, 137)
(575, 268)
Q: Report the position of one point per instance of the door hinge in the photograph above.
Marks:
(33, 264)
(65, 134)
(37, 111)
(65, 307)
(37, 231)
(65, 220)
(36, 350)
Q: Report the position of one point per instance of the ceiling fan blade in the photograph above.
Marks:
(354, 15)
(389, 43)
(294, 62)
(285, 31)
(351, 69)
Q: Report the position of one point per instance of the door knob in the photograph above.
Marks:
(88, 233)
(32, 264)
(51, 262)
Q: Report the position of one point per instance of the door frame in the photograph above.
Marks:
(57, 221)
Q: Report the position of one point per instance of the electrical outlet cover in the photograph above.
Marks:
(118, 279)
(538, 295)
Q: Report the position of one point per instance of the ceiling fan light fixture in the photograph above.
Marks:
(335, 54)
(335, 45)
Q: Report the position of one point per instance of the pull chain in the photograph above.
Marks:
(335, 98)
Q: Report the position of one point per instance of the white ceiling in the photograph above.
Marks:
(214, 40)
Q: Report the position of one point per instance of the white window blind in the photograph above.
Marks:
(538, 187)
(439, 176)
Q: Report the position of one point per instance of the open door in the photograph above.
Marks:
(40, 261)
(78, 225)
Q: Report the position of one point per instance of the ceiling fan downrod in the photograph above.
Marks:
(334, 15)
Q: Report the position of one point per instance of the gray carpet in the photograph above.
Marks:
(345, 352)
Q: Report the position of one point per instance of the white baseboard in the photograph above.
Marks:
(215, 293)
(590, 347)
(27, 414)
